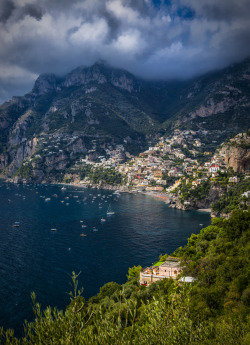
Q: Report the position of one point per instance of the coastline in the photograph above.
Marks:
(122, 189)
(163, 197)
(204, 210)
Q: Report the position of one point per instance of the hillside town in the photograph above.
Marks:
(188, 169)
(172, 162)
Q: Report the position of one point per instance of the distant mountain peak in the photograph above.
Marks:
(101, 62)
(45, 83)
(100, 72)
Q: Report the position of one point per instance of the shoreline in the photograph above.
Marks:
(209, 210)
(163, 197)
(122, 189)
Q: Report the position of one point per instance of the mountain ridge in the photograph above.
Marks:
(113, 106)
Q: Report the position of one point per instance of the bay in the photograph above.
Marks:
(35, 258)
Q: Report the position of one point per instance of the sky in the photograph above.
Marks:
(155, 39)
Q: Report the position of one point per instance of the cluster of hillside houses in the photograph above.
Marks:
(170, 157)
(183, 155)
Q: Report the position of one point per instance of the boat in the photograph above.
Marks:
(53, 229)
(83, 235)
(109, 212)
(47, 199)
(103, 220)
(16, 225)
(63, 188)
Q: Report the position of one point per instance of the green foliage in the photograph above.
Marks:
(198, 193)
(213, 310)
(134, 273)
(219, 258)
(109, 176)
(158, 263)
(163, 257)
(25, 171)
(97, 175)
(231, 199)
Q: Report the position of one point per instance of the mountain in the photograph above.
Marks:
(93, 108)
(218, 100)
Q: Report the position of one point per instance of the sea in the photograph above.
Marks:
(42, 242)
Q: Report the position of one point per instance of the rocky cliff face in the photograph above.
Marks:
(19, 154)
(236, 153)
(45, 83)
(101, 74)
(111, 105)
(214, 194)
(4, 160)
(218, 98)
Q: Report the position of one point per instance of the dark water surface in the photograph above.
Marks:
(34, 258)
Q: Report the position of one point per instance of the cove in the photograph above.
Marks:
(35, 258)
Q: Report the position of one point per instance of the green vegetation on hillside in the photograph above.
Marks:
(97, 175)
(213, 310)
(233, 198)
(25, 171)
(198, 193)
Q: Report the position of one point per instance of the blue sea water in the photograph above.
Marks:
(35, 258)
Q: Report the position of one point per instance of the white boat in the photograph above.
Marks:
(117, 192)
(110, 212)
(103, 220)
(63, 188)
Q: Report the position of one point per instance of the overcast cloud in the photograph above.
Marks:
(152, 39)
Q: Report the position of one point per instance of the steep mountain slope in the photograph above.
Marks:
(218, 100)
(91, 108)
(98, 103)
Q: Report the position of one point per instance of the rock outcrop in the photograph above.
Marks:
(90, 108)
(17, 156)
(236, 153)
(214, 194)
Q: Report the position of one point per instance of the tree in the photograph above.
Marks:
(134, 273)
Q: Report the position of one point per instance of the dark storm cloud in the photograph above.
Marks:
(33, 11)
(15, 11)
(220, 9)
(151, 38)
(6, 9)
